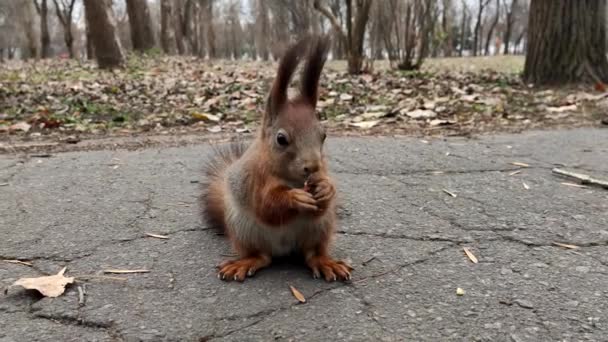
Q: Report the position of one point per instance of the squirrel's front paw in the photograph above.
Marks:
(323, 191)
(302, 200)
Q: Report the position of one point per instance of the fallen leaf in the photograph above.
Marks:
(526, 186)
(600, 86)
(440, 122)
(460, 292)
(299, 296)
(19, 262)
(449, 192)
(520, 164)
(115, 271)
(565, 245)
(346, 97)
(421, 114)
(205, 117)
(157, 236)
(365, 124)
(574, 185)
(48, 286)
(215, 129)
(470, 255)
(514, 173)
(20, 126)
(562, 109)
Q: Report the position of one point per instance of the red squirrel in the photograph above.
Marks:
(275, 197)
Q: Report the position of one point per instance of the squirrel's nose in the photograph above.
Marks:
(311, 168)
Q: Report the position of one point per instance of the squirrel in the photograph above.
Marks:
(275, 197)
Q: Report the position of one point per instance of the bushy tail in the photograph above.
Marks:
(212, 196)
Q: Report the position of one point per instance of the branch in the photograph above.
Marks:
(59, 14)
(37, 6)
(585, 179)
(332, 19)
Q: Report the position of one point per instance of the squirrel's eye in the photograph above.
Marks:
(282, 139)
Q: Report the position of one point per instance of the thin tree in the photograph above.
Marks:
(477, 31)
(140, 23)
(64, 10)
(102, 25)
(167, 27)
(45, 38)
(491, 29)
(509, 19)
(566, 42)
(356, 20)
(463, 28)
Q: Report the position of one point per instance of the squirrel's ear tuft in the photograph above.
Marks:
(287, 66)
(317, 55)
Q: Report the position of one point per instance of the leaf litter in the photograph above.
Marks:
(182, 94)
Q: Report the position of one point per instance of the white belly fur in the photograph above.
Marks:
(280, 240)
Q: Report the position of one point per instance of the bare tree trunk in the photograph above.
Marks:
(90, 47)
(509, 26)
(263, 29)
(45, 38)
(567, 42)
(64, 14)
(446, 24)
(491, 30)
(167, 27)
(463, 28)
(26, 13)
(477, 32)
(210, 30)
(355, 30)
(100, 19)
(140, 23)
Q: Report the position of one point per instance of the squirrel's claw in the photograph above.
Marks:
(331, 269)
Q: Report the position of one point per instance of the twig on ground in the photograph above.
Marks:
(81, 300)
(584, 179)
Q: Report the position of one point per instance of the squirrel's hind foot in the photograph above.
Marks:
(241, 268)
(331, 269)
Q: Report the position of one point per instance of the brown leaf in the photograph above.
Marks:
(299, 296)
(470, 255)
(49, 286)
(116, 271)
(157, 236)
(565, 245)
(600, 86)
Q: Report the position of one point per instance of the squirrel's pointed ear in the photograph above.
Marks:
(287, 66)
(309, 87)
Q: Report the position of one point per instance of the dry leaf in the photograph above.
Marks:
(48, 286)
(421, 114)
(525, 186)
(449, 192)
(470, 255)
(115, 271)
(520, 164)
(299, 296)
(157, 236)
(365, 124)
(206, 117)
(574, 185)
(19, 262)
(562, 109)
(460, 292)
(565, 245)
(20, 126)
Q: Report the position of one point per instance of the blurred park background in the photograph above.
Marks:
(450, 67)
